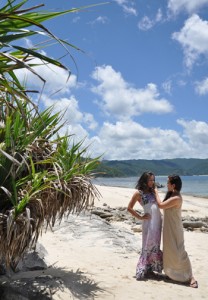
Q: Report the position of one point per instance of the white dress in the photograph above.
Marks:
(151, 255)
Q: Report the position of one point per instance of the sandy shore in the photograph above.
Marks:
(90, 263)
(116, 196)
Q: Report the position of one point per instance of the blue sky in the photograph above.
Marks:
(139, 89)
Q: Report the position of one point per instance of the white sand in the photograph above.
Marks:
(90, 269)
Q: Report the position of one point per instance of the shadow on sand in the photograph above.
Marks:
(42, 285)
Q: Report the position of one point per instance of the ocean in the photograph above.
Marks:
(192, 185)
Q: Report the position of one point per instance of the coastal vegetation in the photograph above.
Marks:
(128, 168)
(42, 179)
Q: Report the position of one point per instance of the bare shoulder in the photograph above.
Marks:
(180, 199)
(137, 195)
(176, 200)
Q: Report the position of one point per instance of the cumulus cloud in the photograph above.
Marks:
(201, 87)
(193, 38)
(196, 132)
(189, 6)
(77, 124)
(127, 139)
(131, 140)
(72, 116)
(123, 101)
(90, 121)
(68, 106)
(123, 139)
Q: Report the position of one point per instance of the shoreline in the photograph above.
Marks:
(120, 196)
(162, 192)
(121, 184)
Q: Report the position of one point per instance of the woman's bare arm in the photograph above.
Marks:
(136, 197)
(174, 201)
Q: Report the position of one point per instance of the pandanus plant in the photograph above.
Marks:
(42, 180)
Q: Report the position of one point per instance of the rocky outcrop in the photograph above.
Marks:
(120, 214)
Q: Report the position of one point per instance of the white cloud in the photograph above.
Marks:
(89, 120)
(193, 38)
(130, 140)
(159, 15)
(130, 10)
(68, 106)
(123, 101)
(190, 6)
(76, 123)
(146, 23)
(56, 78)
(201, 87)
(196, 132)
(127, 6)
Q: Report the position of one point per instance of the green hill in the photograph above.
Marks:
(126, 168)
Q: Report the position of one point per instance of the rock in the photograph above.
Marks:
(33, 260)
(159, 185)
(120, 214)
(193, 224)
(137, 228)
(204, 229)
(102, 213)
(105, 215)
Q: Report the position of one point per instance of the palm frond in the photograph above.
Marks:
(44, 176)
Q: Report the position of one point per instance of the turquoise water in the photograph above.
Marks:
(192, 185)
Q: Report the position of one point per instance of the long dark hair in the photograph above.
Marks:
(142, 183)
(174, 179)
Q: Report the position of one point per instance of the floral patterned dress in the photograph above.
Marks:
(151, 256)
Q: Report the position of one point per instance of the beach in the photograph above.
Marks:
(90, 258)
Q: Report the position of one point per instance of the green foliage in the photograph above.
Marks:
(73, 161)
(42, 176)
(33, 157)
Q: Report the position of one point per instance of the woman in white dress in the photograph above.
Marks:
(176, 262)
(150, 259)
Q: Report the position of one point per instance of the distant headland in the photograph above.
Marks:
(133, 167)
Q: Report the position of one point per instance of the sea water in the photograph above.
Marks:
(192, 185)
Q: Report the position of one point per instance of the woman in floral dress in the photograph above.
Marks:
(151, 256)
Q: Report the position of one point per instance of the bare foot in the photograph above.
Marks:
(193, 283)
